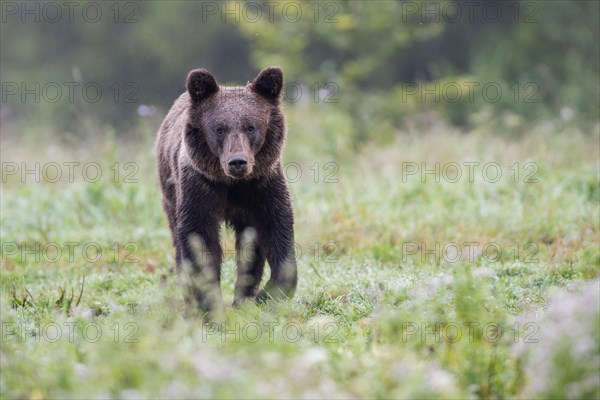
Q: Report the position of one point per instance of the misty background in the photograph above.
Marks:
(366, 69)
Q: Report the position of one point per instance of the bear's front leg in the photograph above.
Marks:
(250, 263)
(275, 226)
(198, 239)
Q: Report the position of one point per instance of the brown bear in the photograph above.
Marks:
(219, 159)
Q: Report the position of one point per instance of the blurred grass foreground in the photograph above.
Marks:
(443, 159)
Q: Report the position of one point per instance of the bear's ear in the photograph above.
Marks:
(201, 84)
(268, 83)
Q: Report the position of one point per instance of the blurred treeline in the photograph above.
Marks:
(376, 63)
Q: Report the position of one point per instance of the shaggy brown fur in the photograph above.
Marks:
(219, 159)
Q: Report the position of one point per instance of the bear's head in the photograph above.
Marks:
(235, 132)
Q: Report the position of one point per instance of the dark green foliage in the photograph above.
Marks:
(543, 55)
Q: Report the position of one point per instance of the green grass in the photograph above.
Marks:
(379, 312)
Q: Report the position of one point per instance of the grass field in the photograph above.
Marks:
(455, 283)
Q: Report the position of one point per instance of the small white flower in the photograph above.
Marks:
(567, 113)
(146, 111)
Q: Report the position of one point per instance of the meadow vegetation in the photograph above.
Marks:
(411, 285)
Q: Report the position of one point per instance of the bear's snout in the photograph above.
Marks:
(237, 165)
(237, 159)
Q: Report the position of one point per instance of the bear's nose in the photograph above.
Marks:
(237, 162)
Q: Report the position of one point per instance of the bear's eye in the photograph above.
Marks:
(250, 129)
(220, 131)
